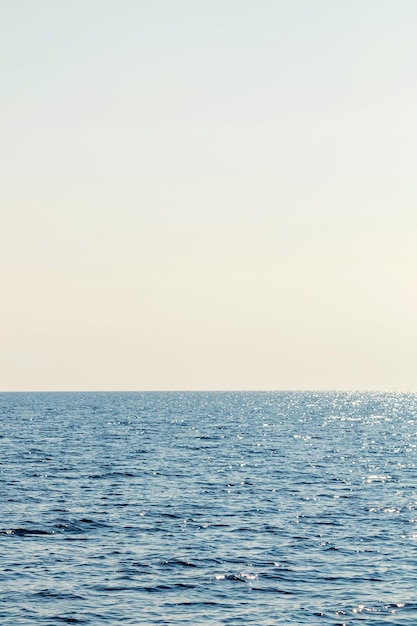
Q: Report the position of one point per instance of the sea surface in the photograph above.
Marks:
(230, 508)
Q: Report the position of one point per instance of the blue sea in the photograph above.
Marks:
(231, 508)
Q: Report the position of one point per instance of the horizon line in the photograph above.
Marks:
(295, 390)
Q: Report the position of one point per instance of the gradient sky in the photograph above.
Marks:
(208, 194)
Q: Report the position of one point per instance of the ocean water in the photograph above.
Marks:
(208, 508)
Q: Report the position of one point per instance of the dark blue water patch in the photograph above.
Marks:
(24, 532)
(208, 508)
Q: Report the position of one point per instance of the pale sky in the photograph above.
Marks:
(208, 194)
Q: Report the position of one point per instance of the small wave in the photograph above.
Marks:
(167, 588)
(80, 526)
(55, 595)
(175, 562)
(73, 527)
(70, 620)
(385, 608)
(22, 532)
(242, 577)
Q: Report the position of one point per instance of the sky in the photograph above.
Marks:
(208, 194)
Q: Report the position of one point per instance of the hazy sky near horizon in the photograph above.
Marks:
(208, 194)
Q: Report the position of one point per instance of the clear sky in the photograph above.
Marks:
(208, 194)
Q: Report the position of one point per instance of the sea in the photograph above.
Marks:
(208, 508)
